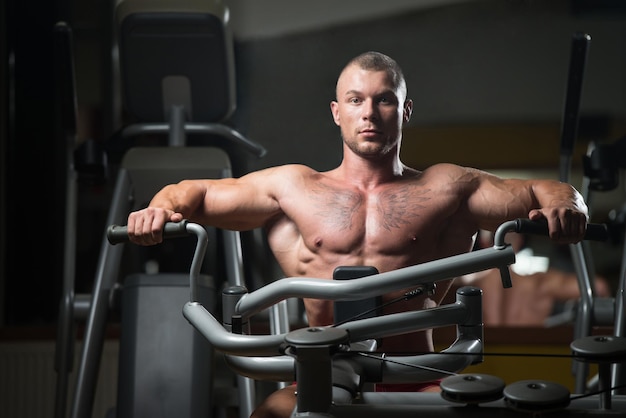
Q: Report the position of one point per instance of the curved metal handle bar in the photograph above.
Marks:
(430, 272)
(227, 342)
(198, 128)
(359, 330)
(119, 234)
(371, 368)
(243, 351)
(273, 369)
(406, 322)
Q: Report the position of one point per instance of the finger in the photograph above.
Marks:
(135, 227)
(576, 225)
(580, 225)
(565, 225)
(535, 215)
(557, 232)
(130, 226)
(143, 228)
(554, 227)
(156, 225)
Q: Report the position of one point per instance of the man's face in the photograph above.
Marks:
(369, 111)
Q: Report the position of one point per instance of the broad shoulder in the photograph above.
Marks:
(449, 170)
(286, 173)
(281, 180)
(453, 175)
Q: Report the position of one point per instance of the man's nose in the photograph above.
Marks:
(370, 110)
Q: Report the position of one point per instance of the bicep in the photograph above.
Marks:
(240, 204)
(494, 200)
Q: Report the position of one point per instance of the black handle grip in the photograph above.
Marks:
(595, 232)
(117, 234)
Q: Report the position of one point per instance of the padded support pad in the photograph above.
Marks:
(175, 53)
(165, 364)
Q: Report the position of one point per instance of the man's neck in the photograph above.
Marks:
(368, 173)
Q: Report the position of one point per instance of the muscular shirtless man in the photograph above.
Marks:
(371, 210)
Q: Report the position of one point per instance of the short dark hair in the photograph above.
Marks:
(377, 61)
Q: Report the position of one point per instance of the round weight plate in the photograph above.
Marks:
(472, 388)
(536, 395)
(600, 348)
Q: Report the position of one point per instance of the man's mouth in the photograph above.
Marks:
(370, 132)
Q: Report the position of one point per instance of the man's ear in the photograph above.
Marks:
(334, 109)
(408, 110)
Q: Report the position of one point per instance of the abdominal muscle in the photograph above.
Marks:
(297, 259)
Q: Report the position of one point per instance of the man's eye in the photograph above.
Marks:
(355, 100)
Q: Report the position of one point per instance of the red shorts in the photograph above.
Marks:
(407, 387)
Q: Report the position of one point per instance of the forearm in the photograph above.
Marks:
(185, 198)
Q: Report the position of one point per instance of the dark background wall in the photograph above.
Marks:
(467, 63)
(31, 189)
